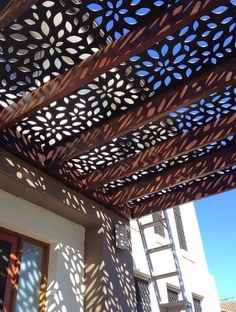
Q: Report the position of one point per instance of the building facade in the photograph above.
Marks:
(199, 284)
(68, 261)
(57, 248)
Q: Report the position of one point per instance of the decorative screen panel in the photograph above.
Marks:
(173, 295)
(142, 295)
(180, 229)
(159, 228)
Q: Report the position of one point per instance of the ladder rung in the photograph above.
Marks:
(166, 275)
(150, 224)
(164, 247)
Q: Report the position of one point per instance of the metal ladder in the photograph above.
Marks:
(177, 305)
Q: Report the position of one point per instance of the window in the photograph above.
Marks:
(159, 228)
(173, 295)
(197, 304)
(23, 265)
(180, 228)
(142, 295)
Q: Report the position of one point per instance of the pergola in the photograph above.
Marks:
(130, 102)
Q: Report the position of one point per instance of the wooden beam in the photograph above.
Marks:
(198, 190)
(182, 173)
(204, 135)
(12, 10)
(156, 29)
(160, 106)
(22, 146)
(73, 179)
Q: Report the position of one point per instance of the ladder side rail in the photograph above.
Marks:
(149, 262)
(177, 264)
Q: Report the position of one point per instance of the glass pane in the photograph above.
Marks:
(27, 299)
(5, 250)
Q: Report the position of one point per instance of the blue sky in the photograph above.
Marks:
(217, 221)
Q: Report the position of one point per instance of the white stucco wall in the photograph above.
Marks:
(196, 277)
(66, 239)
(195, 269)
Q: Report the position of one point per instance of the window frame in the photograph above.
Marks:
(197, 298)
(17, 239)
(180, 228)
(174, 289)
(138, 278)
(160, 228)
(10, 286)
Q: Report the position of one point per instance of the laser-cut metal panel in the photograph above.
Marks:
(48, 39)
(186, 52)
(151, 110)
(3, 4)
(117, 17)
(203, 123)
(218, 105)
(192, 170)
(11, 9)
(122, 147)
(151, 173)
(54, 38)
(218, 182)
(107, 96)
(145, 199)
(192, 49)
(109, 57)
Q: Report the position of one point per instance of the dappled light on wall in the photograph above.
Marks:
(55, 298)
(110, 279)
(67, 293)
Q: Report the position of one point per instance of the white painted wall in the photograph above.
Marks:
(196, 277)
(66, 261)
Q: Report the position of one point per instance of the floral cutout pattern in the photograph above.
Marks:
(194, 48)
(153, 171)
(118, 17)
(183, 120)
(105, 97)
(207, 110)
(180, 186)
(188, 119)
(124, 147)
(53, 36)
(47, 40)
(131, 83)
